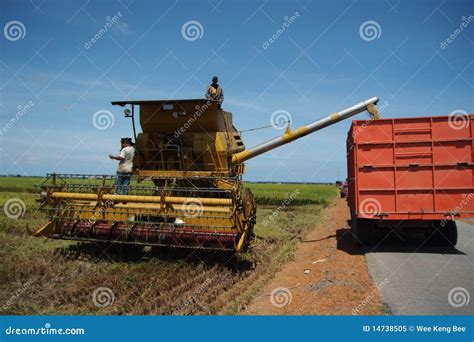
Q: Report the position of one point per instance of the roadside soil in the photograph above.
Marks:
(328, 275)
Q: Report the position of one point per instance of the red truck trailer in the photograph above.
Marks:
(408, 174)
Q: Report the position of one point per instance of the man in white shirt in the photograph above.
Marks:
(125, 166)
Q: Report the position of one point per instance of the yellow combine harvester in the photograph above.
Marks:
(187, 186)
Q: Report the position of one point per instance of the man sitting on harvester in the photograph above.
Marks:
(214, 92)
(125, 166)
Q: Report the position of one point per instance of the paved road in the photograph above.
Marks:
(417, 281)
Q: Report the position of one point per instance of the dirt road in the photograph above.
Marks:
(327, 276)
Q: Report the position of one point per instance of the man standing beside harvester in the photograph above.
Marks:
(125, 166)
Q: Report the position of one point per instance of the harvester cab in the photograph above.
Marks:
(187, 188)
(184, 137)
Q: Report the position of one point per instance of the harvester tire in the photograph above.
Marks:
(249, 208)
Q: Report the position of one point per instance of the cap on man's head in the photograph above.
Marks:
(215, 79)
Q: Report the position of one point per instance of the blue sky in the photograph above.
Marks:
(322, 62)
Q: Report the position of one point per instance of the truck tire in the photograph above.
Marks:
(364, 231)
(451, 236)
(445, 235)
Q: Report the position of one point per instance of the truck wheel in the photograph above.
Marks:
(364, 231)
(445, 235)
(370, 232)
(355, 230)
(451, 234)
(356, 226)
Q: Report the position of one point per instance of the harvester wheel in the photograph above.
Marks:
(249, 215)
